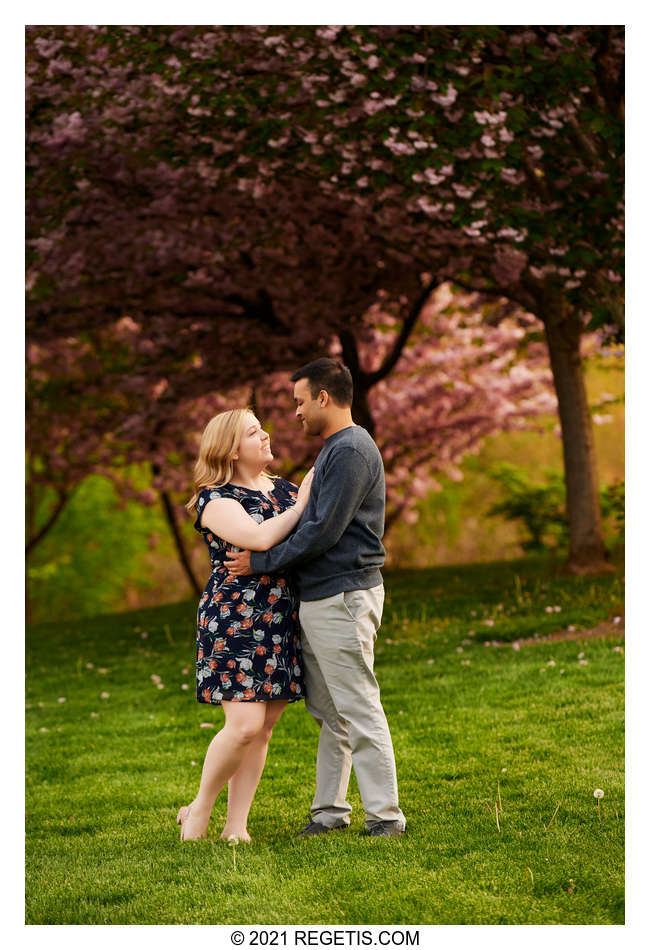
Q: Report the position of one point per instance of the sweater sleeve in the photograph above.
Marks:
(346, 481)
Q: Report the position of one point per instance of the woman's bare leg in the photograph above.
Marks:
(243, 784)
(244, 722)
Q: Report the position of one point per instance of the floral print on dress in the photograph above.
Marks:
(247, 642)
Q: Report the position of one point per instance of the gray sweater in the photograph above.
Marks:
(336, 545)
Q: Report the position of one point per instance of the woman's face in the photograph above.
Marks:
(255, 445)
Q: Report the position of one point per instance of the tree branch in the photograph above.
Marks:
(371, 379)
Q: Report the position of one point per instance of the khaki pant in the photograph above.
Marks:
(342, 694)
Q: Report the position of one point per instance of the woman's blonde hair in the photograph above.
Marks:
(217, 449)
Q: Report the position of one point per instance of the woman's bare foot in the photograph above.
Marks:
(242, 836)
(192, 825)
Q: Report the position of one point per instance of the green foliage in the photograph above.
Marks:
(613, 502)
(541, 505)
(532, 729)
(95, 549)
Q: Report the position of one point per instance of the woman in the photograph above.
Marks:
(248, 651)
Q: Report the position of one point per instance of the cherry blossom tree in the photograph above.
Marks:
(244, 194)
(431, 400)
(428, 398)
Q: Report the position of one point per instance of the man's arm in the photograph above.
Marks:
(344, 486)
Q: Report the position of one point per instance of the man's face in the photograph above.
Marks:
(308, 410)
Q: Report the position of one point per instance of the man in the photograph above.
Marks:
(337, 554)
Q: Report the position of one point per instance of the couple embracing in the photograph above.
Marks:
(261, 641)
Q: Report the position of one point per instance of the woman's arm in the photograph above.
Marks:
(229, 520)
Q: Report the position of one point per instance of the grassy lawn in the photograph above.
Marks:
(479, 732)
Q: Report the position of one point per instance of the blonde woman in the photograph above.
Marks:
(248, 651)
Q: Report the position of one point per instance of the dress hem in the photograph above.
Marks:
(260, 699)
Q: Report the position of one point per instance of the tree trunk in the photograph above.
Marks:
(587, 553)
(170, 514)
(35, 539)
(361, 410)
(178, 541)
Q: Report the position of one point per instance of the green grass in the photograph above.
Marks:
(103, 791)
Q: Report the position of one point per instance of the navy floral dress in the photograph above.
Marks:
(247, 641)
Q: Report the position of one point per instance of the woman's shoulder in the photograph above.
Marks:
(208, 494)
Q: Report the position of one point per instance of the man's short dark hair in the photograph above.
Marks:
(330, 375)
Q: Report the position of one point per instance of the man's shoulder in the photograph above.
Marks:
(358, 437)
(356, 440)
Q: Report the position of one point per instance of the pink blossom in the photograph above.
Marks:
(512, 175)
